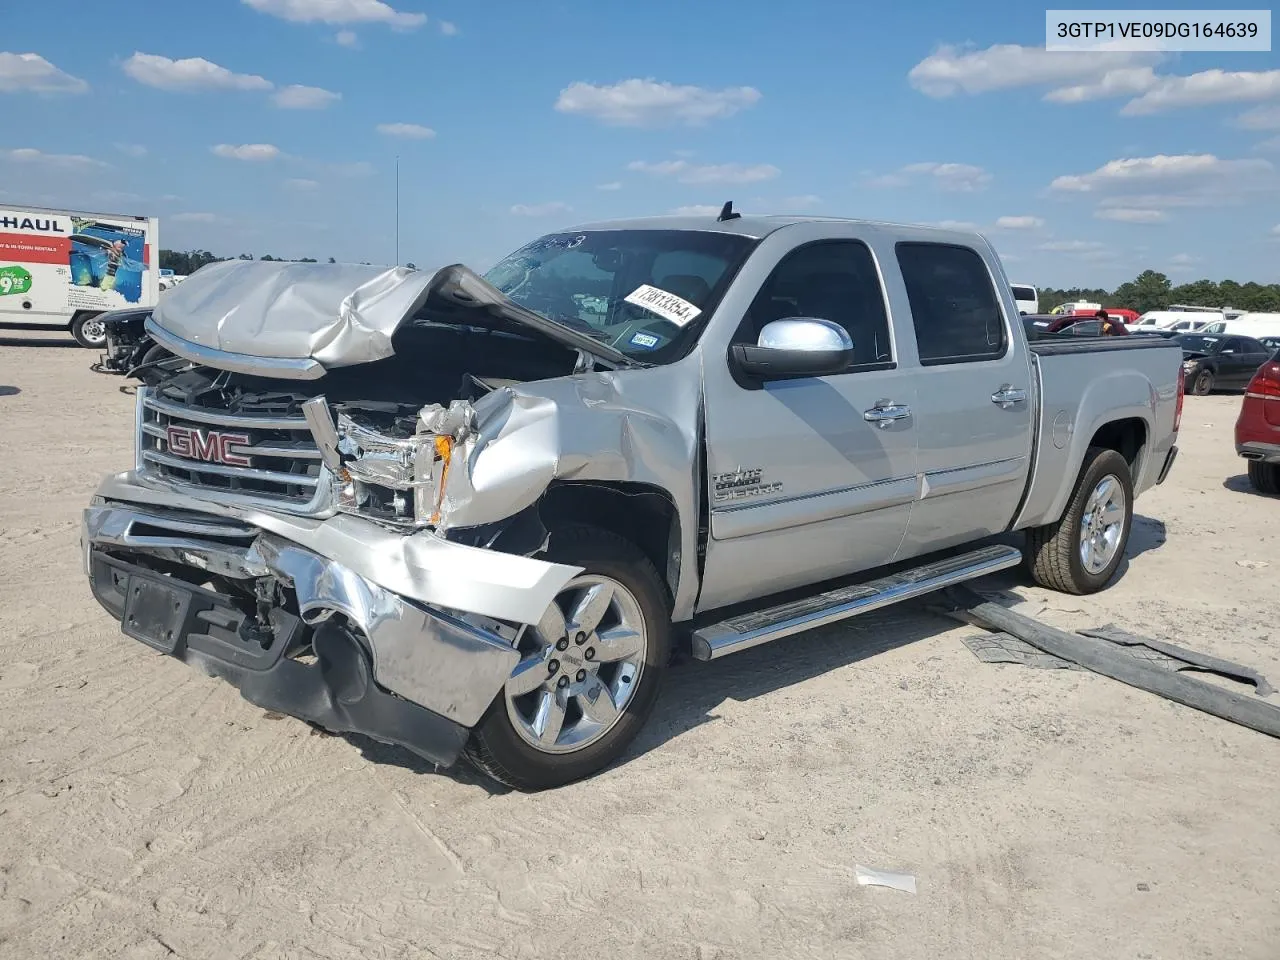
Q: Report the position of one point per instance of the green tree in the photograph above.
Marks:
(1150, 291)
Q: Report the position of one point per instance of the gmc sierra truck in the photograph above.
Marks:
(474, 515)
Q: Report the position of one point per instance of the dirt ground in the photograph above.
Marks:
(149, 812)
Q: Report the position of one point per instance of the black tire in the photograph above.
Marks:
(1264, 477)
(1053, 551)
(89, 331)
(1202, 385)
(499, 752)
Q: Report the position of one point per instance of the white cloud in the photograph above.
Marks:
(195, 217)
(1019, 223)
(338, 11)
(298, 97)
(1114, 83)
(648, 103)
(1206, 87)
(346, 38)
(194, 73)
(1260, 118)
(1183, 260)
(802, 201)
(696, 210)
(687, 172)
(31, 155)
(1070, 246)
(951, 70)
(1159, 170)
(1131, 214)
(300, 183)
(1269, 146)
(30, 71)
(448, 28)
(540, 209)
(1276, 230)
(409, 131)
(613, 185)
(957, 177)
(132, 149)
(247, 151)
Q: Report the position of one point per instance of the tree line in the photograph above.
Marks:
(186, 262)
(1152, 290)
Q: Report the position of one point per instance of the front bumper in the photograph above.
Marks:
(340, 650)
(1260, 451)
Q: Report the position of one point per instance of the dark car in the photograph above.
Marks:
(130, 350)
(1219, 361)
(1040, 326)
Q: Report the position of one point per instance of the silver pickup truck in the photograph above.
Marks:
(477, 515)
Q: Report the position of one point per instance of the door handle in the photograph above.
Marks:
(885, 412)
(1007, 396)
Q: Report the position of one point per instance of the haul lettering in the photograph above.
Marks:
(48, 225)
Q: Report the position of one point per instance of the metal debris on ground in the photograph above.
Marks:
(1149, 665)
(867, 877)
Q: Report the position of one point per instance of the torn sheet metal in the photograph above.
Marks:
(336, 314)
(1179, 658)
(1006, 648)
(422, 566)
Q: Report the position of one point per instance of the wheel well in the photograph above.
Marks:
(1127, 437)
(646, 515)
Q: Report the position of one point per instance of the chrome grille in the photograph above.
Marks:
(272, 460)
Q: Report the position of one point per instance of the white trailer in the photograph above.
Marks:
(63, 268)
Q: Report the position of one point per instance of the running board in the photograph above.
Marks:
(773, 623)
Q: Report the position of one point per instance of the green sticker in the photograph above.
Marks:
(14, 280)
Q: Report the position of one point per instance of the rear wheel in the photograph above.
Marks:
(90, 330)
(1265, 477)
(1081, 552)
(589, 670)
(1203, 383)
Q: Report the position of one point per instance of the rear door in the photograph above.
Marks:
(1253, 354)
(974, 398)
(802, 485)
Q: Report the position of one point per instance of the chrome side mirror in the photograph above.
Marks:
(795, 347)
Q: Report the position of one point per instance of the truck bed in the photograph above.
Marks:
(1083, 383)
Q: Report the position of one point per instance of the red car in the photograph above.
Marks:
(1258, 427)
(1124, 314)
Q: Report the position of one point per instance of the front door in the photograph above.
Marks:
(806, 480)
(974, 398)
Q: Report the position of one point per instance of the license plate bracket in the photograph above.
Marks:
(155, 612)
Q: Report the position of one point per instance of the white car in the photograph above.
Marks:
(1027, 297)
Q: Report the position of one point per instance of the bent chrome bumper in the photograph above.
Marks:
(448, 661)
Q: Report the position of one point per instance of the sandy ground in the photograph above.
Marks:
(148, 812)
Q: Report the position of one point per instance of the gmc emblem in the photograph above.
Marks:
(209, 445)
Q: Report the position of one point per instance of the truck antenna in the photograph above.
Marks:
(726, 212)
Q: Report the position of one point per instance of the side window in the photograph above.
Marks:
(1252, 346)
(1087, 328)
(953, 304)
(832, 280)
(1231, 345)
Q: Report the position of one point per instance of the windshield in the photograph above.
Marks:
(1023, 293)
(1196, 343)
(646, 293)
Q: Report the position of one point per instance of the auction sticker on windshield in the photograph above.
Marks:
(666, 305)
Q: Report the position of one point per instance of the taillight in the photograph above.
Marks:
(1182, 393)
(1266, 382)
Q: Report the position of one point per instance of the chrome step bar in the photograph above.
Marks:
(773, 623)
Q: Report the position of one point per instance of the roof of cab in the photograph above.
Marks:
(752, 225)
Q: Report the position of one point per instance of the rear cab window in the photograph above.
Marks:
(954, 307)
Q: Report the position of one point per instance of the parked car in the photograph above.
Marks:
(471, 515)
(1123, 314)
(1258, 427)
(1212, 363)
(1184, 319)
(1076, 325)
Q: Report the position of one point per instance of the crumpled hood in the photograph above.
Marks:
(336, 314)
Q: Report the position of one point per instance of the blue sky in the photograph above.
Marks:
(253, 126)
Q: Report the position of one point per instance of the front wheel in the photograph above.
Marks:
(589, 670)
(90, 331)
(1203, 383)
(1082, 551)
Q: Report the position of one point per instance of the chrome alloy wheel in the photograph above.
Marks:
(579, 666)
(1102, 524)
